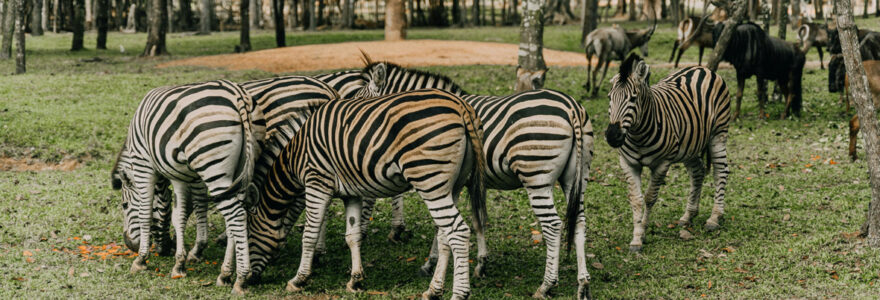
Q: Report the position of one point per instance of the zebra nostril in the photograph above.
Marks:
(613, 135)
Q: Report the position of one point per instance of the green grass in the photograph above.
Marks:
(66, 107)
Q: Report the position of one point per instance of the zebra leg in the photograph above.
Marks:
(226, 268)
(636, 202)
(580, 231)
(367, 215)
(658, 179)
(236, 231)
(200, 207)
(541, 200)
(144, 187)
(398, 221)
(454, 237)
(698, 174)
(182, 207)
(317, 201)
(719, 166)
(161, 218)
(321, 246)
(353, 210)
(428, 268)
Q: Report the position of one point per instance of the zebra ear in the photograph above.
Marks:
(379, 73)
(642, 72)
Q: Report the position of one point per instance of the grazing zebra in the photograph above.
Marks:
(532, 139)
(429, 140)
(679, 119)
(200, 138)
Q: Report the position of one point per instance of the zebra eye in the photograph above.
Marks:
(124, 205)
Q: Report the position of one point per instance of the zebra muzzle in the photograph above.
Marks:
(614, 136)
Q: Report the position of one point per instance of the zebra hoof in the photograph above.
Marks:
(635, 248)
(354, 285)
(223, 279)
(584, 291)
(138, 265)
(543, 292)
(430, 294)
(295, 285)
(712, 226)
(178, 272)
(239, 289)
(459, 297)
(480, 269)
(192, 259)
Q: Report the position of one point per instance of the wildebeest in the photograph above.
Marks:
(688, 35)
(754, 53)
(869, 43)
(813, 35)
(612, 43)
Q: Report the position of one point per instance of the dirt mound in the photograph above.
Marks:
(347, 56)
(19, 165)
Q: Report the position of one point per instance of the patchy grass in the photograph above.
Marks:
(793, 201)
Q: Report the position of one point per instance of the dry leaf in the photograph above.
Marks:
(598, 265)
(377, 293)
(728, 249)
(710, 285)
(786, 217)
(29, 260)
(176, 276)
(411, 259)
(27, 253)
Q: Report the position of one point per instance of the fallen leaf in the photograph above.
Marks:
(786, 217)
(740, 270)
(728, 249)
(377, 293)
(411, 259)
(27, 253)
(29, 260)
(598, 265)
(176, 276)
(19, 279)
(710, 285)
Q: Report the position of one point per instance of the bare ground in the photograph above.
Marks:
(15, 164)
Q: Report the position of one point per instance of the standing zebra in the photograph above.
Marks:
(532, 139)
(200, 138)
(679, 119)
(429, 140)
(346, 83)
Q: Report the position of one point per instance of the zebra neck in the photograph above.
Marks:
(401, 80)
(647, 118)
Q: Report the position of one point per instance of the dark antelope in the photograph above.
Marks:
(612, 43)
(689, 36)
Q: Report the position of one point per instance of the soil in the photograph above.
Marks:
(19, 165)
(405, 53)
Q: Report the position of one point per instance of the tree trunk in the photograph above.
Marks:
(877, 8)
(589, 17)
(865, 107)
(348, 14)
(310, 7)
(796, 12)
(820, 11)
(531, 68)
(90, 18)
(56, 19)
(205, 8)
(475, 13)
(492, 10)
(8, 29)
(436, 13)
(782, 18)
(456, 13)
(865, 11)
(186, 15)
(253, 14)
(632, 10)
(44, 15)
(674, 6)
(158, 22)
(278, 14)
(37, 18)
(79, 19)
(738, 15)
(293, 14)
(244, 38)
(395, 20)
(20, 25)
(103, 11)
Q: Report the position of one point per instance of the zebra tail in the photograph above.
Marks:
(574, 198)
(476, 184)
(245, 106)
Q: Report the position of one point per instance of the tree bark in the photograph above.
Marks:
(782, 18)
(738, 15)
(8, 29)
(865, 107)
(865, 11)
(293, 15)
(20, 25)
(589, 17)
(456, 13)
(56, 12)
(186, 15)
(37, 18)
(244, 38)
(157, 26)
(310, 4)
(44, 15)
(632, 10)
(796, 12)
(205, 8)
(395, 20)
(278, 14)
(437, 13)
(103, 10)
(79, 12)
(531, 69)
(348, 14)
(475, 13)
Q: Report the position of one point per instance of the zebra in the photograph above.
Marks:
(533, 139)
(346, 83)
(429, 140)
(199, 138)
(679, 119)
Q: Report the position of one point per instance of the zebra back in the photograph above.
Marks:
(346, 83)
(384, 78)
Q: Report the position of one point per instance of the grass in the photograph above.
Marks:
(787, 231)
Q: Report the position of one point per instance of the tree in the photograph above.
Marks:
(395, 20)
(739, 13)
(559, 11)
(79, 20)
(865, 107)
(205, 8)
(437, 13)
(590, 18)
(36, 18)
(157, 26)
(101, 18)
(20, 25)
(244, 38)
(530, 72)
(186, 15)
(782, 18)
(278, 16)
(8, 29)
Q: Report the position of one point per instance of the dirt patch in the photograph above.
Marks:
(20, 165)
(347, 56)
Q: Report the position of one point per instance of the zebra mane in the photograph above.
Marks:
(627, 66)
(389, 67)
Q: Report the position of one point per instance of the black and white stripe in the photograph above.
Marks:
(532, 139)
(681, 119)
(428, 140)
(200, 138)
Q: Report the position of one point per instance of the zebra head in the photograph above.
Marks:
(628, 89)
(121, 178)
(374, 76)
